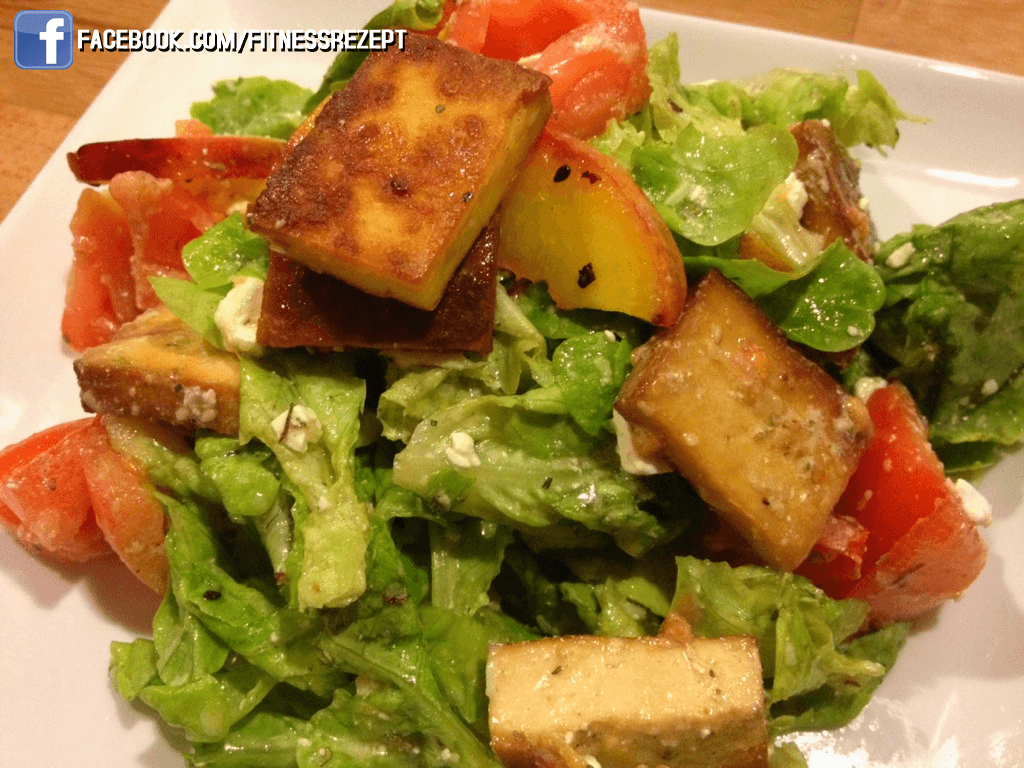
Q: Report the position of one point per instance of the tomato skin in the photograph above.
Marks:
(837, 559)
(132, 520)
(101, 290)
(189, 155)
(44, 497)
(936, 560)
(598, 73)
(922, 548)
(595, 52)
(164, 216)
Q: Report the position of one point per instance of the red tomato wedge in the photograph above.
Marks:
(101, 289)
(44, 497)
(837, 559)
(598, 73)
(922, 548)
(184, 157)
(164, 216)
(595, 52)
(132, 520)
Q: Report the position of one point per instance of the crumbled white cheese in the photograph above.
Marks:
(197, 405)
(866, 386)
(238, 314)
(461, 451)
(630, 460)
(900, 256)
(990, 387)
(975, 505)
(297, 427)
(795, 193)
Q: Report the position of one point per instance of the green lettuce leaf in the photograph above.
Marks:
(253, 106)
(523, 460)
(227, 250)
(806, 639)
(415, 15)
(954, 325)
(334, 531)
(420, 387)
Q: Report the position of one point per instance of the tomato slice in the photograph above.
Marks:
(187, 156)
(922, 547)
(130, 517)
(44, 497)
(598, 73)
(837, 559)
(594, 51)
(101, 290)
(164, 216)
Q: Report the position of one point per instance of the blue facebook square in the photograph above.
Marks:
(42, 39)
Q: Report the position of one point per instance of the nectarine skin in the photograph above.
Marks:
(576, 220)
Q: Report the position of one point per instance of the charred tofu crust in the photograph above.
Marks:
(303, 308)
(157, 368)
(403, 168)
(766, 437)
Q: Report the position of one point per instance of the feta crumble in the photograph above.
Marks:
(866, 386)
(978, 510)
(238, 314)
(900, 256)
(629, 458)
(461, 451)
(297, 427)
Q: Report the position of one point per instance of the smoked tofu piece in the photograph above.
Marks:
(159, 369)
(303, 308)
(403, 168)
(766, 437)
(626, 702)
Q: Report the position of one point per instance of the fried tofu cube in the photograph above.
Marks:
(303, 308)
(159, 369)
(766, 437)
(568, 701)
(403, 168)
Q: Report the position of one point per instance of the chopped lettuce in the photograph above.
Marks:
(254, 106)
(813, 662)
(522, 459)
(226, 251)
(952, 329)
(715, 159)
(335, 527)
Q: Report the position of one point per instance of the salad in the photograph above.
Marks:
(580, 594)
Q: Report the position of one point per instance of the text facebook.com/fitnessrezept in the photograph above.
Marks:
(239, 41)
(48, 39)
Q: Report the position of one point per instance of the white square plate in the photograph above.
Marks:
(956, 696)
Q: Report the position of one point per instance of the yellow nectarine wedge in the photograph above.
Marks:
(576, 220)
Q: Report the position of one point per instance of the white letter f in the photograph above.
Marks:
(50, 37)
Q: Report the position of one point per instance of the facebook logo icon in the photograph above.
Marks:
(42, 39)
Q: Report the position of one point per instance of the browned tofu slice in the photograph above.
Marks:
(157, 368)
(403, 168)
(303, 308)
(626, 702)
(766, 437)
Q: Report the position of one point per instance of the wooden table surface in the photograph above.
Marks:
(38, 108)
